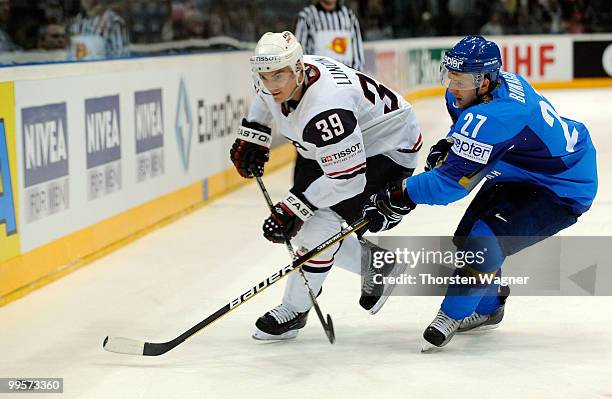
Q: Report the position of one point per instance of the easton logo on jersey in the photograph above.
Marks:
(338, 45)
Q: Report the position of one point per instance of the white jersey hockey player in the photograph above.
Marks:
(352, 134)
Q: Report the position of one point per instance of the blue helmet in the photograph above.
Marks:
(475, 55)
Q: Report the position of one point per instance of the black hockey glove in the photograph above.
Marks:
(385, 209)
(251, 150)
(438, 152)
(287, 216)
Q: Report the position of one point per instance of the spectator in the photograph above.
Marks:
(331, 29)
(555, 17)
(6, 43)
(426, 26)
(493, 26)
(150, 21)
(575, 23)
(194, 24)
(97, 33)
(52, 37)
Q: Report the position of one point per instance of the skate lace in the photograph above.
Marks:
(368, 280)
(282, 314)
(474, 317)
(444, 323)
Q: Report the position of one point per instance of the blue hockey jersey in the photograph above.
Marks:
(516, 136)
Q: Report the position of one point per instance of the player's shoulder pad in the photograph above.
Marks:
(330, 127)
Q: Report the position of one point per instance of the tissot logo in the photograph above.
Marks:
(183, 124)
(341, 154)
(266, 59)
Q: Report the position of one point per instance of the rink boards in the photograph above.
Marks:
(95, 154)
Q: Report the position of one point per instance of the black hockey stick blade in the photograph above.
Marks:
(331, 335)
(328, 326)
(135, 347)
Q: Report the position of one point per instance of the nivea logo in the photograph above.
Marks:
(103, 130)
(45, 143)
(148, 120)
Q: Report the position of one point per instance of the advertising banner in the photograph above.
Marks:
(593, 59)
(93, 146)
(103, 132)
(44, 134)
(9, 231)
(410, 64)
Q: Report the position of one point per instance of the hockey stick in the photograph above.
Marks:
(328, 326)
(135, 347)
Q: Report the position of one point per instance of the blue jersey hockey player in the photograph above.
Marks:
(540, 168)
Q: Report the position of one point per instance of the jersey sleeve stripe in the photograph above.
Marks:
(321, 262)
(415, 148)
(350, 176)
(346, 170)
(311, 269)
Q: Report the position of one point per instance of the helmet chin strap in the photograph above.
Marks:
(492, 86)
(297, 86)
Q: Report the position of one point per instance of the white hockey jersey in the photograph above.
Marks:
(343, 117)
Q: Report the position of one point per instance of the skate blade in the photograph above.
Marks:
(479, 329)
(262, 336)
(397, 270)
(427, 347)
(378, 305)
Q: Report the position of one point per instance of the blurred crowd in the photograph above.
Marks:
(50, 24)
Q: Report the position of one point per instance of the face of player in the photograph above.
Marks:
(281, 83)
(461, 86)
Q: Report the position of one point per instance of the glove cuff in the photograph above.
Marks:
(409, 202)
(299, 205)
(255, 133)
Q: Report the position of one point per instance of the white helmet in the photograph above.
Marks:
(275, 51)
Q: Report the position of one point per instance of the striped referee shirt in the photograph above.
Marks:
(100, 36)
(334, 34)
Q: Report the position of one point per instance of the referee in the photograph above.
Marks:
(331, 29)
(97, 33)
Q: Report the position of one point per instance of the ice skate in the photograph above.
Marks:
(373, 295)
(440, 331)
(477, 322)
(279, 323)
